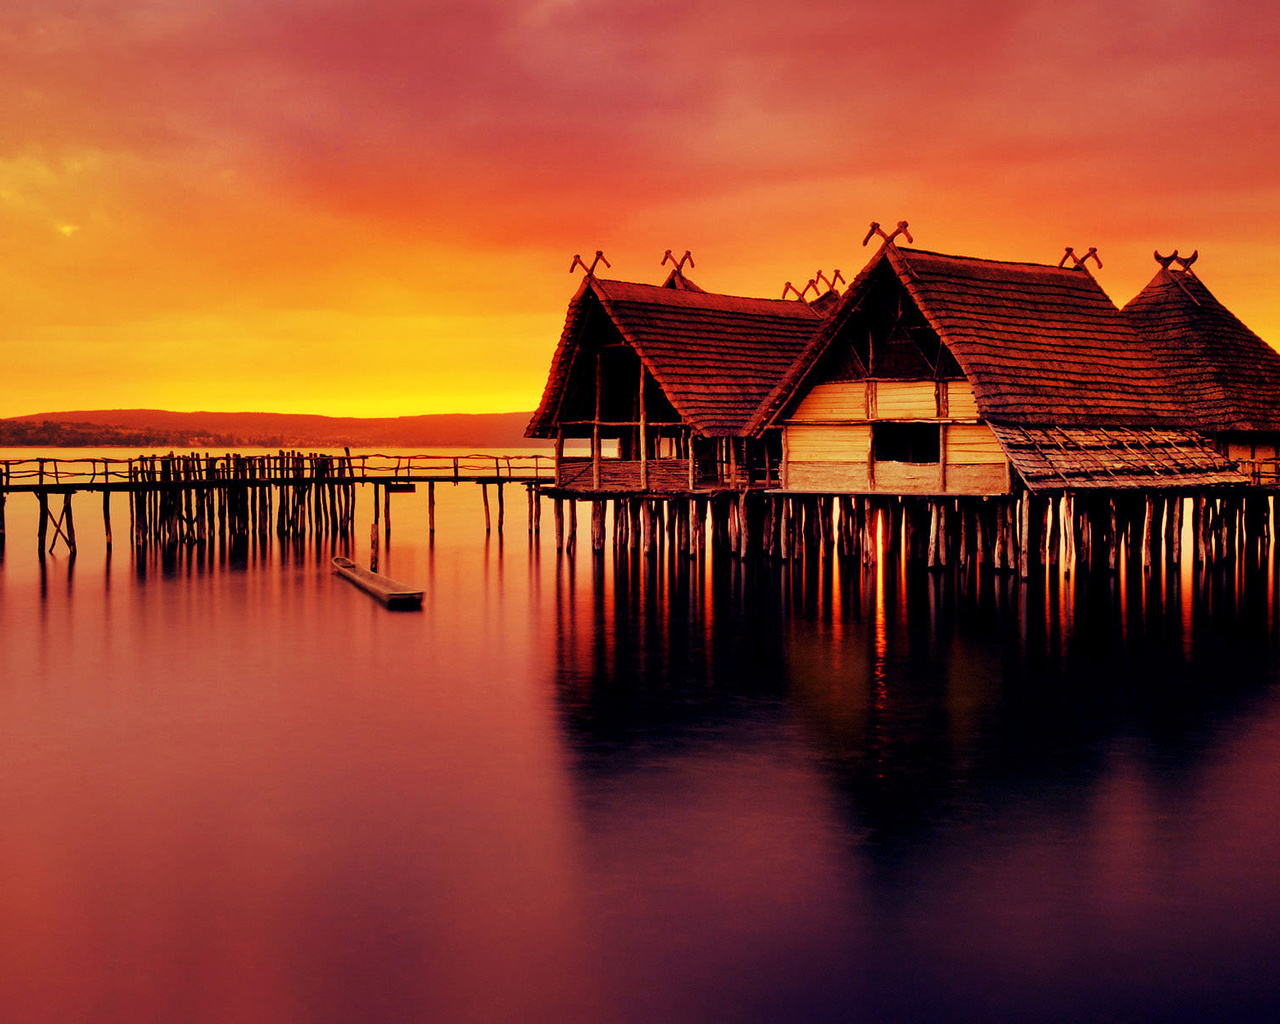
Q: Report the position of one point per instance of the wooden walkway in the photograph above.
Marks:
(57, 476)
(200, 498)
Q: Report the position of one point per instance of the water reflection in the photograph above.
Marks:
(1045, 794)
(607, 788)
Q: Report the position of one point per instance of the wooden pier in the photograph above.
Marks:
(198, 499)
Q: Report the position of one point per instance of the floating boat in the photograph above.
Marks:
(390, 592)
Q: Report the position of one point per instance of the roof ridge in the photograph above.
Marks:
(906, 251)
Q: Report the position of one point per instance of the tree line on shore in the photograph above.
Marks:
(55, 434)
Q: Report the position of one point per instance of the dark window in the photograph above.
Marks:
(905, 442)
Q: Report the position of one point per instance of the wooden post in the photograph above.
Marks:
(744, 531)
(500, 508)
(693, 476)
(644, 437)
(646, 527)
(597, 525)
(559, 519)
(1148, 540)
(572, 543)
(386, 514)
(484, 495)
(1173, 529)
(106, 514)
(431, 507)
(1025, 546)
(537, 510)
(933, 534)
(69, 522)
(1113, 536)
(999, 541)
(1197, 529)
(595, 434)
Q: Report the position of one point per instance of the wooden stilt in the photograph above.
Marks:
(620, 525)
(1197, 530)
(1025, 545)
(1150, 534)
(1113, 548)
(571, 545)
(558, 515)
(106, 515)
(597, 525)
(933, 534)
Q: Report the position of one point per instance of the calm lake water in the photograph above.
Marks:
(240, 790)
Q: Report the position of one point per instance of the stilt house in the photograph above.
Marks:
(945, 375)
(672, 374)
(1228, 377)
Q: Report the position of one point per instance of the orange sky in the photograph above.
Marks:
(369, 207)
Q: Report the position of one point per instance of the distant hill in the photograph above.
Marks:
(137, 427)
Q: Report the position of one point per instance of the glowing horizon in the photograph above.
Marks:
(370, 209)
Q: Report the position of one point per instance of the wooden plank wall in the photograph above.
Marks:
(828, 440)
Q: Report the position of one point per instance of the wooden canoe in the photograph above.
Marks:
(390, 592)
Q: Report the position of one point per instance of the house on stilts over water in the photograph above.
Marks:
(671, 374)
(946, 408)
(1228, 377)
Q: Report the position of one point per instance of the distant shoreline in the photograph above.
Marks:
(133, 428)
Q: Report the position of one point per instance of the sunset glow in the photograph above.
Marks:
(370, 208)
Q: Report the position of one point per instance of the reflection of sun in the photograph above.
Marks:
(68, 229)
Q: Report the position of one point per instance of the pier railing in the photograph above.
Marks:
(58, 474)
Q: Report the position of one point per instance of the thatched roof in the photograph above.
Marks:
(1088, 458)
(1228, 377)
(1041, 345)
(714, 356)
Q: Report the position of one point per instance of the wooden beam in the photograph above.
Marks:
(595, 432)
(644, 435)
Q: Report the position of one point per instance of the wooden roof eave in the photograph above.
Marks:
(775, 403)
(548, 411)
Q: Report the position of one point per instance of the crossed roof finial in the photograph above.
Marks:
(901, 229)
(1080, 261)
(1183, 261)
(668, 258)
(591, 270)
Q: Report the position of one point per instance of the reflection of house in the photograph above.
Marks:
(944, 375)
(1228, 377)
(674, 375)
